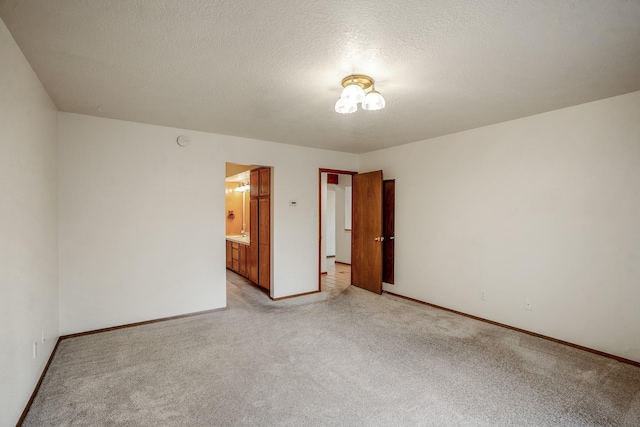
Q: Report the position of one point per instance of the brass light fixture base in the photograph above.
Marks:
(365, 82)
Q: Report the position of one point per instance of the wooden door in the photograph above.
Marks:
(366, 234)
(388, 227)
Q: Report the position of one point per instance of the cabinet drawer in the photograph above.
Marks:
(229, 255)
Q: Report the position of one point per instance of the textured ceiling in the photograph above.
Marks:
(271, 70)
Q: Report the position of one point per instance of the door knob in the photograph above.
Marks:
(379, 239)
(392, 238)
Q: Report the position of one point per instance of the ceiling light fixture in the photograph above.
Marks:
(243, 187)
(359, 88)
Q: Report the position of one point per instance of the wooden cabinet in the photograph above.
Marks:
(265, 182)
(242, 260)
(259, 265)
(254, 182)
(252, 266)
(237, 257)
(229, 258)
(264, 241)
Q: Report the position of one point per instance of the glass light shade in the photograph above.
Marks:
(352, 94)
(343, 107)
(373, 101)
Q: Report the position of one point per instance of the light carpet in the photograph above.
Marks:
(339, 358)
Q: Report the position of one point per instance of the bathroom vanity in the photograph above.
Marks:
(237, 252)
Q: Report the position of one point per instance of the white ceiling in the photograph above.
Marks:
(271, 70)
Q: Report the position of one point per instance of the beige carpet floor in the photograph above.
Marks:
(340, 358)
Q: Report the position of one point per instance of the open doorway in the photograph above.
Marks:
(334, 250)
(248, 214)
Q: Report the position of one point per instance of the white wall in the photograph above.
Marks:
(545, 207)
(141, 229)
(323, 223)
(343, 237)
(28, 229)
(331, 220)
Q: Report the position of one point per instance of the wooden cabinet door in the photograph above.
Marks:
(264, 239)
(258, 264)
(254, 183)
(235, 256)
(242, 260)
(229, 259)
(253, 239)
(265, 182)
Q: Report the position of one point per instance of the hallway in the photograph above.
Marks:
(338, 276)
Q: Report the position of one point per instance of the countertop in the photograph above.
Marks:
(239, 239)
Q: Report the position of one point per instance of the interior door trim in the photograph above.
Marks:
(320, 172)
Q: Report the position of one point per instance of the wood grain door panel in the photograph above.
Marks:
(366, 244)
(265, 182)
(229, 255)
(254, 183)
(252, 254)
(388, 225)
(242, 260)
(264, 240)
